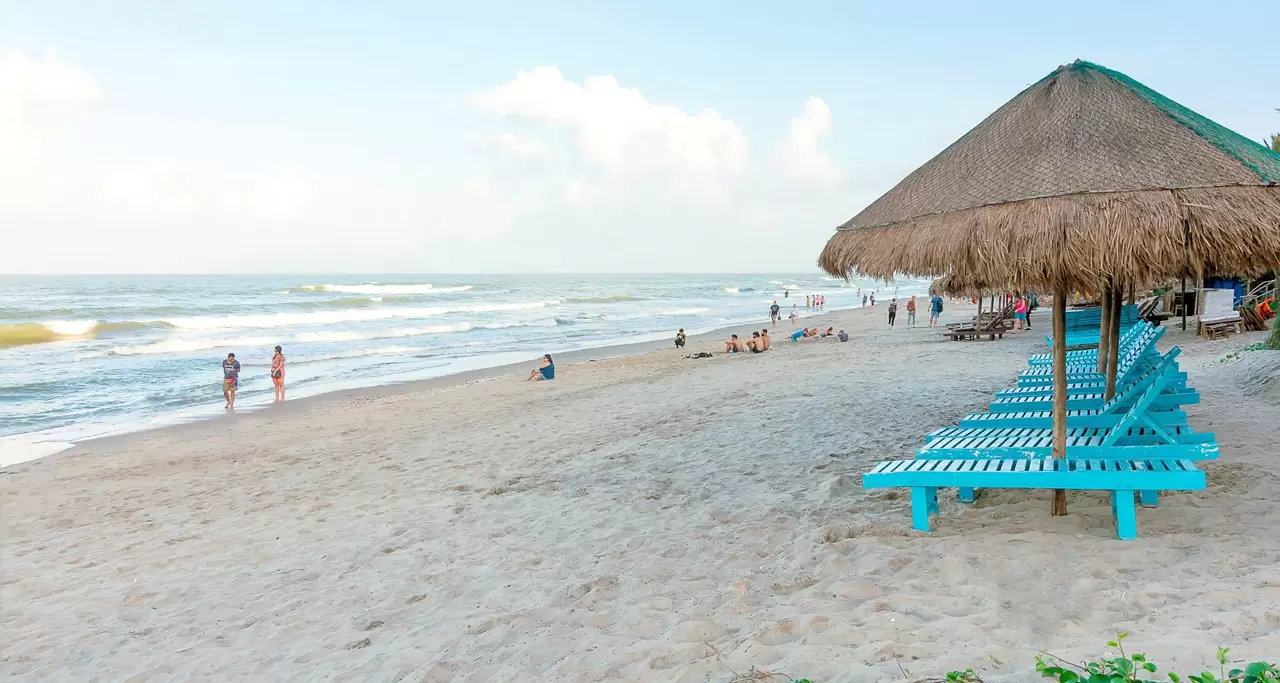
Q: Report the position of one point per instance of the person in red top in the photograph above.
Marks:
(911, 312)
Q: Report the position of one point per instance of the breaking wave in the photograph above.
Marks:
(381, 289)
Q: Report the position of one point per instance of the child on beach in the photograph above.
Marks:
(911, 311)
(547, 371)
(842, 336)
(893, 311)
(795, 313)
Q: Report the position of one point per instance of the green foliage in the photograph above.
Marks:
(1135, 668)
(966, 676)
(1273, 339)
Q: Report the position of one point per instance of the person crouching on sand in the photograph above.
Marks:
(230, 380)
(277, 373)
(547, 371)
(680, 338)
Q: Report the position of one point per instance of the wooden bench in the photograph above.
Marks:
(1121, 477)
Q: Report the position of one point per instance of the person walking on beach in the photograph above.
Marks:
(873, 301)
(935, 310)
(230, 380)
(893, 311)
(911, 312)
(680, 338)
(277, 374)
(795, 314)
(775, 313)
(864, 304)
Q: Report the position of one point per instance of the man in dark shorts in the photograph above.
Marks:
(775, 313)
(230, 379)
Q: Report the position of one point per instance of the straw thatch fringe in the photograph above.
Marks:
(1074, 241)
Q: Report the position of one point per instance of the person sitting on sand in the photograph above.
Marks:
(680, 338)
(733, 344)
(765, 342)
(797, 335)
(831, 332)
(547, 371)
(842, 336)
(755, 344)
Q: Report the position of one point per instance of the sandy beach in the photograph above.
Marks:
(644, 517)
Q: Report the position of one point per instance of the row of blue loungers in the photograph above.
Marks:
(1137, 443)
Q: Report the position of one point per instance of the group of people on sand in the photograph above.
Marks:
(231, 377)
(758, 343)
(816, 333)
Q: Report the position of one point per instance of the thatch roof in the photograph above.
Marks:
(1085, 174)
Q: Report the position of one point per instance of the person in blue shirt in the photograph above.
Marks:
(935, 310)
(547, 371)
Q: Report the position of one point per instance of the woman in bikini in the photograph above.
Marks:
(277, 374)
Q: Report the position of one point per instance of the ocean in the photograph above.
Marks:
(89, 356)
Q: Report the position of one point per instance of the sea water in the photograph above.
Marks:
(87, 356)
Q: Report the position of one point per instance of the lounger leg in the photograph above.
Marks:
(1149, 499)
(932, 493)
(920, 508)
(966, 495)
(1126, 518)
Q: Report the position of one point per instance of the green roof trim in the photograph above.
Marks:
(1261, 161)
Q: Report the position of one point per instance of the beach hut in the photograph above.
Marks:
(1085, 181)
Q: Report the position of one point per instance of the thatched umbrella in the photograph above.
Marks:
(1085, 178)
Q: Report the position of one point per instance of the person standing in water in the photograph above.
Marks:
(230, 380)
(277, 374)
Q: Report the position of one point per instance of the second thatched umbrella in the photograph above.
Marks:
(1086, 178)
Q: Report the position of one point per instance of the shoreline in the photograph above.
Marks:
(37, 450)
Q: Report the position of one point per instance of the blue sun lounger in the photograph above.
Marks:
(1122, 477)
(1081, 356)
(1109, 414)
(1135, 437)
(1084, 325)
(1137, 356)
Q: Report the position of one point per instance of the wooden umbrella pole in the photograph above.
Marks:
(1059, 389)
(1183, 296)
(1114, 329)
(1104, 330)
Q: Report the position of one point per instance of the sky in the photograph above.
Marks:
(489, 137)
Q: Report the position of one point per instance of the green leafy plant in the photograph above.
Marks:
(1136, 668)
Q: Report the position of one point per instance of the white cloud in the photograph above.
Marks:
(37, 96)
(521, 147)
(618, 129)
(572, 176)
(798, 154)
